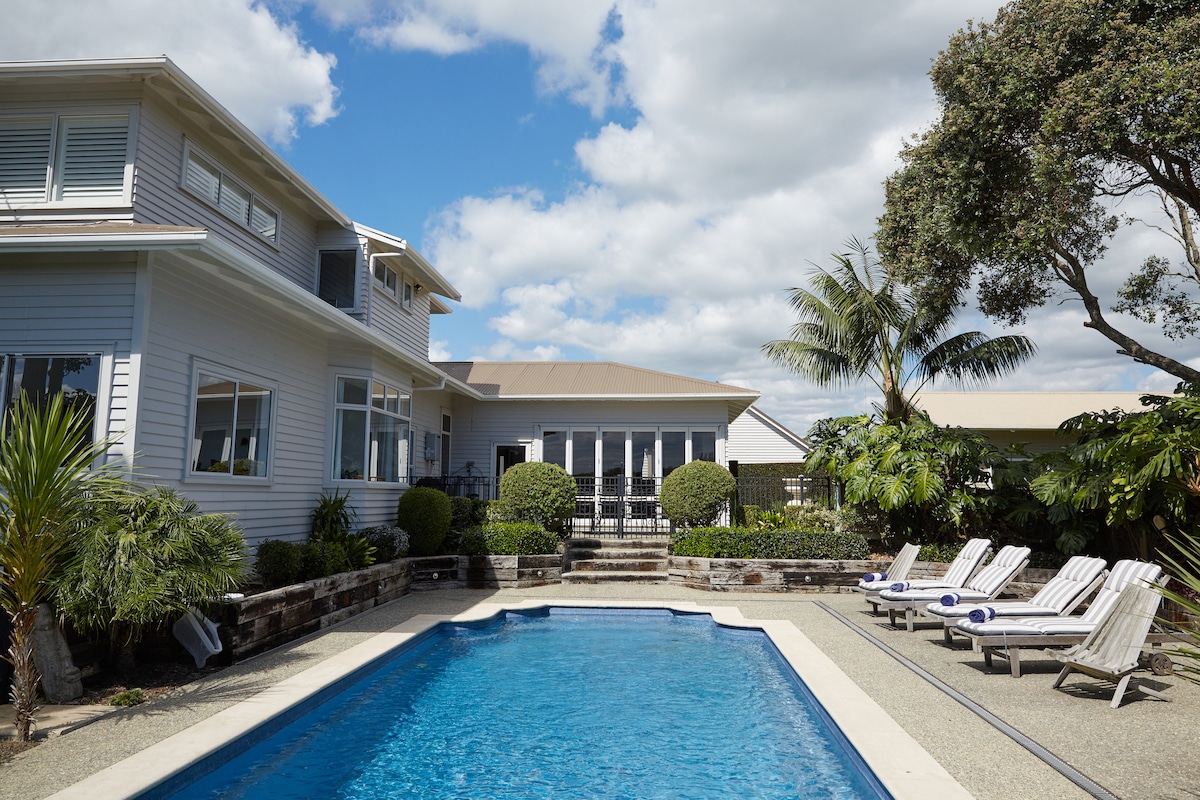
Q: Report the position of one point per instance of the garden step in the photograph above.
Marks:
(621, 577)
(619, 565)
(612, 553)
(600, 543)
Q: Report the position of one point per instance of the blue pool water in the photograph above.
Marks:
(565, 703)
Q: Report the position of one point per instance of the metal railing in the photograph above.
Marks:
(630, 507)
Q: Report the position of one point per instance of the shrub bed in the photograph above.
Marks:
(748, 543)
(425, 514)
(509, 539)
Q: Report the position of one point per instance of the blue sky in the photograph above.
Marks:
(629, 180)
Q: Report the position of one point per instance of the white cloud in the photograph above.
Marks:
(439, 350)
(252, 62)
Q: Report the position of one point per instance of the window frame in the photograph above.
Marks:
(381, 283)
(103, 384)
(404, 402)
(191, 475)
(55, 117)
(254, 201)
(354, 271)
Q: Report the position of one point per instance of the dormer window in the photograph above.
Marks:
(395, 284)
(70, 159)
(335, 278)
(209, 182)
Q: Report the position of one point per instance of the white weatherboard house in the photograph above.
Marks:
(251, 345)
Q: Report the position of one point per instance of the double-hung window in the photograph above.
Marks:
(78, 160)
(203, 178)
(371, 431)
(232, 430)
(40, 377)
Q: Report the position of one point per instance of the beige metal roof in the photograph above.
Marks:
(1019, 410)
(581, 379)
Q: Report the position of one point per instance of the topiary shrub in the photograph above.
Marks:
(389, 541)
(509, 539)
(466, 512)
(543, 494)
(277, 563)
(318, 559)
(696, 493)
(770, 544)
(425, 514)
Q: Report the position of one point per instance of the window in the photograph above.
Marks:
(232, 434)
(335, 277)
(371, 431)
(385, 276)
(406, 295)
(43, 376)
(445, 443)
(74, 159)
(209, 182)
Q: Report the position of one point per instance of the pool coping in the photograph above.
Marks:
(905, 769)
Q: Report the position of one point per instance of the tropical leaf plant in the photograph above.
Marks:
(51, 480)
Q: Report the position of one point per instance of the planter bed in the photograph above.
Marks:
(262, 621)
(486, 572)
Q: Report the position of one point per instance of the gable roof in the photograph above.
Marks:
(779, 428)
(588, 380)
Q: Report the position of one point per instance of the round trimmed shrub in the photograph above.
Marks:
(277, 563)
(696, 493)
(425, 513)
(389, 541)
(543, 494)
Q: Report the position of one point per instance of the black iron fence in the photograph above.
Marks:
(629, 506)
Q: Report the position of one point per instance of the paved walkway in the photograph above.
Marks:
(1143, 750)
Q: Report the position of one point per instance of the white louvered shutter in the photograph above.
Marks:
(234, 201)
(91, 163)
(24, 160)
(202, 179)
(264, 221)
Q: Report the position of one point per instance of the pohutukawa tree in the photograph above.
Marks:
(859, 322)
(1049, 115)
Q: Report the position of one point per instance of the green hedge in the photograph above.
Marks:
(424, 513)
(769, 544)
(776, 470)
(509, 539)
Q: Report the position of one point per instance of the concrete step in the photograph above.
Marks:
(602, 542)
(614, 577)
(619, 565)
(578, 554)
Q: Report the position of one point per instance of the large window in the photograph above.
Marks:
(40, 377)
(643, 454)
(371, 431)
(202, 177)
(75, 159)
(232, 434)
(335, 277)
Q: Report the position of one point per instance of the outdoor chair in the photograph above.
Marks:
(1077, 579)
(1113, 650)
(1006, 637)
(985, 585)
(961, 569)
(875, 582)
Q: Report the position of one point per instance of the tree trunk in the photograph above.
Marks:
(25, 675)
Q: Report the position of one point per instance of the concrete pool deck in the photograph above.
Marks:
(1142, 750)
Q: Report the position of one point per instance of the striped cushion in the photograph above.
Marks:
(996, 575)
(935, 593)
(1064, 590)
(968, 559)
(1014, 608)
(1020, 626)
(1122, 573)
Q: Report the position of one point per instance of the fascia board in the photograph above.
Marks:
(92, 242)
(436, 280)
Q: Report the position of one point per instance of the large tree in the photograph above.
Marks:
(859, 322)
(1049, 115)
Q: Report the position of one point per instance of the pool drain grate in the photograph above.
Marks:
(1054, 762)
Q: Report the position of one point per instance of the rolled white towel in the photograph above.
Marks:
(951, 598)
(871, 577)
(982, 614)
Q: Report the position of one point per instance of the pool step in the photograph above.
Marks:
(591, 560)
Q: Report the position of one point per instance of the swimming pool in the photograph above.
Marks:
(901, 764)
(562, 702)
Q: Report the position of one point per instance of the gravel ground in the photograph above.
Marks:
(1143, 750)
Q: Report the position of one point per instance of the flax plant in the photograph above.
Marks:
(48, 486)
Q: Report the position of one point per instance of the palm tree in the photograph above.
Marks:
(48, 483)
(859, 322)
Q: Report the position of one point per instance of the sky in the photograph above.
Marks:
(617, 180)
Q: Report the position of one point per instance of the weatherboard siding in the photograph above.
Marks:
(159, 199)
(66, 304)
(753, 441)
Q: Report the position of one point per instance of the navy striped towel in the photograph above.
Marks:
(981, 614)
(871, 577)
(901, 586)
(951, 598)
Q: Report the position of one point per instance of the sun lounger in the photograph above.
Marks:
(1006, 637)
(873, 583)
(961, 569)
(1077, 579)
(985, 585)
(1112, 651)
